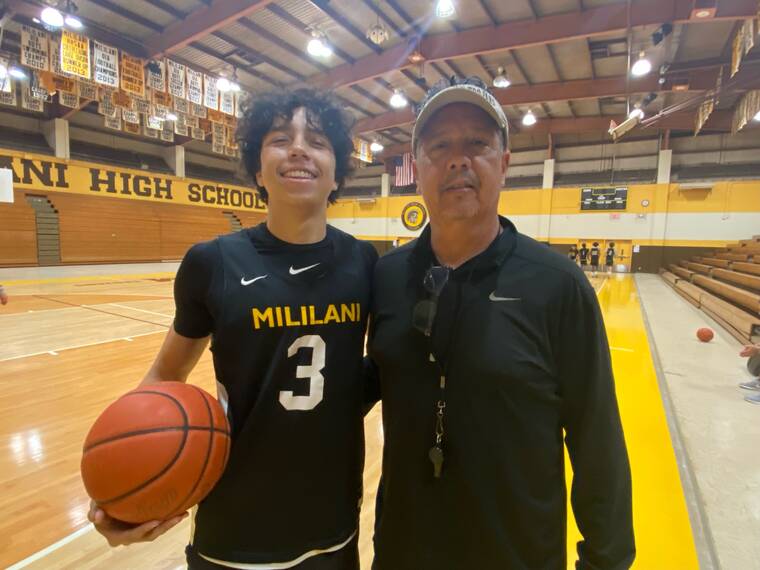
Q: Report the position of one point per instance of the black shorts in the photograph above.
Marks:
(347, 558)
(595, 261)
(584, 262)
(608, 262)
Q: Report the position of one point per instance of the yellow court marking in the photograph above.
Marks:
(664, 539)
(91, 278)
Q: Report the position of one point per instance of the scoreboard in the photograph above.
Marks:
(604, 198)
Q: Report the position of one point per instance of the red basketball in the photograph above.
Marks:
(705, 335)
(155, 452)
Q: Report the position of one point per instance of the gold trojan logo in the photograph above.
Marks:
(414, 216)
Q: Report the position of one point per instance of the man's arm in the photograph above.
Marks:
(601, 490)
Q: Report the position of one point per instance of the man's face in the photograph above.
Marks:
(297, 162)
(460, 164)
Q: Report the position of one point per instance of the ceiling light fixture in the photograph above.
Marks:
(501, 81)
(73, 22)
(318, 45)
(51, 17)
(642, 66)
(757, 116)
(529, 119)
(637, 112)
(445, 9)
(398, 99)
(17, 73)
(376, 146)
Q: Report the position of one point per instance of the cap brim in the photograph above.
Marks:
(447, 97)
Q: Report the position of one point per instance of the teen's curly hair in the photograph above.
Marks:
(323, 113)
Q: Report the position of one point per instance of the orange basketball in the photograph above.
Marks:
(155, 452)
(705, 335)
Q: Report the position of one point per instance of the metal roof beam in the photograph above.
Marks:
(606, 19)
(202, 22)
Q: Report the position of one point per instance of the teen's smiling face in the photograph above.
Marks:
(297, 162)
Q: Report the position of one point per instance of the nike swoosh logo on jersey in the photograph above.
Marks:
(245, 282)
(493, 297)
(301, 269)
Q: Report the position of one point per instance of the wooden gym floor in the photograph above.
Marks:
(70, 344)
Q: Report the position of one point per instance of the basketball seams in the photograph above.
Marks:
(134, 433)
(169, 465)
(209, 447)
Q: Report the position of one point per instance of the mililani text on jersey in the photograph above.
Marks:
(273, 317)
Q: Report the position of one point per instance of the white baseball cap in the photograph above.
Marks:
(461, 93)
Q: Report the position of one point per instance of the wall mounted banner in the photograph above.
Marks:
(227, 103)
(31, 103)
(38, 89)
(105, 105)
(55, 56)
(148, 132)
(210, 93)
(176, 78)
(70, 100)
(87, 91)
(35, 52)
(131, 128)
(121, 99)
(113, 122)
(130, 116)
(194, 86)
(46, 174)
(181, 106)
(141, 105)
(105, 65)
(157, 75)
(132, 75)
(75, 54)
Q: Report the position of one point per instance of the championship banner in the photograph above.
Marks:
(148, 132)
(87, 91)
(198, 133)
(105, 65)
(112, 122)
(106, 106)
(217, 132)
(176, 78)
(35, 52)
(130, 116)
(227, 103)
(210, 93)
(154, 123)
(55, 56)
(37, 87)
(167, 136)
(121, 99)
(198, 111)
(141, 105)
(75, 54)
(53, 83)
(157, 76)
(163, 99)
(231, 151)
(132, 75)
(194, 86)
(181, 106)
(217, 147)
(132, 128)
(67, 99)
(8, 97)
(31, 103)
(362, 151)
(180, 130)
(46, 174)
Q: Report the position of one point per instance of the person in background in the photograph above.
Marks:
(3, 296)
(572, 255)
(609, 257)
(583, 255)
(752, 353)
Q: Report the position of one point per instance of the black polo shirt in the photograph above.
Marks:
(521, 337)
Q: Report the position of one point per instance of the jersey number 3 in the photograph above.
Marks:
(312, 372)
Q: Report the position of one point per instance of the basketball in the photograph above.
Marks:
(155, 452)
(705, 334)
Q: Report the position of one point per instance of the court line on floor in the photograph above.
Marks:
(93, 308)
(85, 278)
(52, 548)
(131, 336)
(136, 309)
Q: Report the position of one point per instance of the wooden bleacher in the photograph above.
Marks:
(725, 285)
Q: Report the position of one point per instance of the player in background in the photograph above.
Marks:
(594, 253)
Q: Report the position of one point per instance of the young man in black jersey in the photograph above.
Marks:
(490, 349)
(594, 253)
(583, 255)
(609, 257)
(284, 305)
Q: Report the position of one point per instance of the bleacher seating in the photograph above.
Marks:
(725, 285)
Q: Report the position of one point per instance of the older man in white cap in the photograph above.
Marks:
(489, 346)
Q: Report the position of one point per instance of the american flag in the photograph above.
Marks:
(404, 172)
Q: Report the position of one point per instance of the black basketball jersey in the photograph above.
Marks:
(594, 252)
(287, 325)
(583, 252)
(610, 255)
